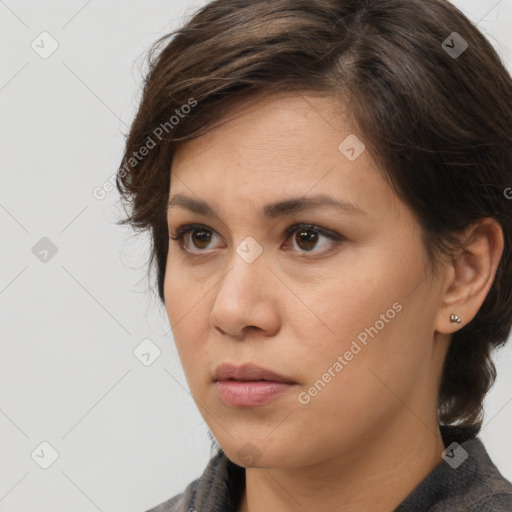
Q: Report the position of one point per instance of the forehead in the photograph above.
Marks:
(280, 146)
(283, 118)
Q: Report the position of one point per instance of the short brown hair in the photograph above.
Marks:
(438, 123)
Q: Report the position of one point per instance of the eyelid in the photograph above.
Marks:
(314, 227)
(337, 238)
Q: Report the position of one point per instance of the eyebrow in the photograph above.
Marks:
(271, 210)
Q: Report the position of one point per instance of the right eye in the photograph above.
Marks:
(200, 236)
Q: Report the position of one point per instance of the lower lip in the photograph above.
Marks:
(237, 393)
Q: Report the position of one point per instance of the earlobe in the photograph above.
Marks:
(455, 318)
(470, 275)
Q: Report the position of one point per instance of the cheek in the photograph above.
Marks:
(367, 313)
(356, 384)
(182, 292)
(353, 300)
(185, 304)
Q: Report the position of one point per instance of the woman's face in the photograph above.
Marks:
(345, 309)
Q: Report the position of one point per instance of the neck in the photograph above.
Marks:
(374, 477)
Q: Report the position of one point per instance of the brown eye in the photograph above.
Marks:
(313, 239)
(193, 238)
(201, 238)
(306, 239)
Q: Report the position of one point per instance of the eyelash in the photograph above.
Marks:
(187, 228)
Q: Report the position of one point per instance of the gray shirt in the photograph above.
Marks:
(466, 480)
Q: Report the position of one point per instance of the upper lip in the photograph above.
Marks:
(247, 371)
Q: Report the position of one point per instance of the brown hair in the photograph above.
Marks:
(438, 123)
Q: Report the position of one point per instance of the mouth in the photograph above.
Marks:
(248, 372)
(249, 385)
(250, 393)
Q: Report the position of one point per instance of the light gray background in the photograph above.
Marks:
(128, 436)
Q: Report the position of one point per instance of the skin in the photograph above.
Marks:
(371, 434)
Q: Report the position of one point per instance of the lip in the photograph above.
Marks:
(248, 372)
(240, 393)
(249, 385)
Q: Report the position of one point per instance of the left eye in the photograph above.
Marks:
(307, 237)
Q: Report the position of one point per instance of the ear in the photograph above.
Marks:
(470, 276)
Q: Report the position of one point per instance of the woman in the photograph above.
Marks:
(326, 187)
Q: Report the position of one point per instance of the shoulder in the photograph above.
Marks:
(470, 482)
(500, 502)
(178, 503)
(215, 490)
(489, 485)
(174, 504)
(478, 484)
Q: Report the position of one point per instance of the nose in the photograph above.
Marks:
(247, 299)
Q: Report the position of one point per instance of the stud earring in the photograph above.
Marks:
(455, 318)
